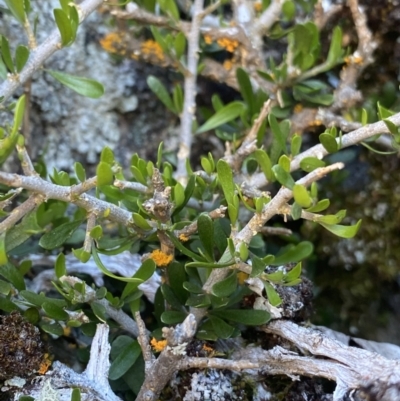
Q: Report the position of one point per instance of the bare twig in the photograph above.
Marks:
(53, 191)
(91, 222)
(26, 162)
(19, 212)
(189, 102)
(143, 340)
(166, 364)
(42, 53)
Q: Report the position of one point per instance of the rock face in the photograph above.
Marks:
(66, 127)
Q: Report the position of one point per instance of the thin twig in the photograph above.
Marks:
(91, 222)
(143, 339)
(19, 212)
(189, 102)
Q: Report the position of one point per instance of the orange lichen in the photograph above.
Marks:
(113, 43)
(257, 6)
(228, 64)
(160, 258)
(158, 345)
(207, 348)
(316, 123)
(183, 238)
(44, 366)
(242, 277)
(228, 44)
(151, 48)
(208, 39)
(298, 108)
(354, 60)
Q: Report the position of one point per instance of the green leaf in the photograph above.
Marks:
(277, 132)
(246, 89)
(54, 311)
(96, 232)
(100, 311)
(6, 54)
(59, 266)
(225, 178)
(383, 112)
(171, 298)
(3, 252)
(335, 49)
(198, 301)
(273, 297)
(221, 328)
(185, 250)
(104, 174)
(81, 254)
(329, 142)
(140, 221)
(180, 47)
(392, 127)
(169, 7)
(101, 266)
(21, 57)
(222, 116)
(205, 227)
(284, 162)
(283, 177)
(294, 253)
(76, 394)
(293, 274)
(18, 115)
(295, 211)
(225, 287)
(257, 266)
(301, 195)
(173, 317)
(161, 92)
(17, 9)
(13, 275)
(80, 171)
(249, 317)
(57, 236)
(332, 218)
(176, 277)
(265, 164)
(190, 186)
(5, 288)
(295, 145)
(192, 287)
(126, 358)
(319, 207)
(107, 156)
(54, 329)
(309, 164)
(84, 86)
(343, 231)
(64, 26)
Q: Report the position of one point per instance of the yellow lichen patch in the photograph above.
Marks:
(113, 43)
(183, 238)
(160, 258)
(44, 366)
(228, 44)
(316, 123)
(158, 345)
(354, 60)
(228, 64)
(207, 348)
(257, 6)
(298, 108)
(208, 39)
(242, 277)
(151, 48)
